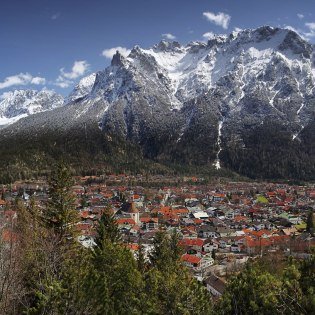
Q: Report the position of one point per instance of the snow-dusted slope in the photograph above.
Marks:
(82, 89)
(22, 103)
(197, 67)
(273, 62)
(202, 102)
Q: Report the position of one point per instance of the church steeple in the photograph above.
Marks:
(134, 213)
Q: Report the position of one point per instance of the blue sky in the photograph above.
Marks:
(53, 43)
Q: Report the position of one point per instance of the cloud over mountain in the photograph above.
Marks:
(220, 19)
(110, 52)
(21, 79)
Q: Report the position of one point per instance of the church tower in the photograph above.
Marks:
(134, 213)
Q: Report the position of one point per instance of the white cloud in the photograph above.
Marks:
(305, 35)
(38, 81)
(169, 36)
(63, 82)
(208, 35)
(311, 26)
(311, 30)
(237, 29)
(300, 16)
(21, 79)
(55, 16)
(292, 28)
(109, 53)
(79, 68)
(220, 19)
(4, 95)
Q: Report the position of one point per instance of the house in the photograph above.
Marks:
(195, 243)
(235, 248)
(200, 215)
(210, 246)
(2, 203)
(288, 231)
(224, 232)
(218, 197)
(215, 285)
(125, 222)
(148, 224)
(191, 261)
(206, 231)
(230, 215)
(223, 243)
(198, 263)
(134, 231)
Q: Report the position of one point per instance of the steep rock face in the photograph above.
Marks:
(82, 89)
(22, 103)
(244, 101)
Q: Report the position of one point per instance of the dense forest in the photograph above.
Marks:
(268, 152)
(88, 152)
(45, 270)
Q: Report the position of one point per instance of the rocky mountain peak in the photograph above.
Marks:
(21, 103)
(82, 89)
(117, 59)
(221, 103)
(168, 46)
(296, 44)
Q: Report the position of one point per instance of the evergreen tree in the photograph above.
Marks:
(307, 283)
(141, 261)
(107, 229)
(310, 222)
(117, 284)
(251, 292)
(161, 257)
(290, 294)
(172, 288)
(213, 254)
(176, 251)
(60, 214)
(54, 244)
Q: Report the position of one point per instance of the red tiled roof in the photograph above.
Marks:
(191, 258)
(133, 246)
(191, 242)
(126, 221)
(84, 214)
(148, 219)
(8, 236)
(197, 221)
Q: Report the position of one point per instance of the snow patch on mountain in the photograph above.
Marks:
(18, 104)
(82, 89)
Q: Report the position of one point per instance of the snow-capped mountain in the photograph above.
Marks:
(244, 101)
(82, 89)
(18, 104)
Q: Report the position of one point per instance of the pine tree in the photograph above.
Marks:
(172, 288)
(117, 284)
(54, 244)
(141, 261)
(60, 213)
(107, 229)
(310, 222)
(161, 256)
(176, 251)
(213, 254)
(253, 291)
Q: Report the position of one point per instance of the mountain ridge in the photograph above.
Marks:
(18, 104)
(203, 103)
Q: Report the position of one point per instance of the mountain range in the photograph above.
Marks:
(243, 102)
